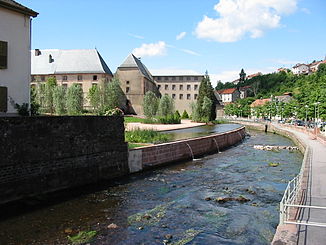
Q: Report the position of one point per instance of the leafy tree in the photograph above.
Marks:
(113, 94)
(150, 104)
(35, 106)
(59, 99)
(206, 109)
(321, 69)
(195, 112)
(74, 102)
(94, 97)
(166, 106)
(206, 89)
(50, 84)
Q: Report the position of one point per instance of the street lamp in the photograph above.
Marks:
(306, 106)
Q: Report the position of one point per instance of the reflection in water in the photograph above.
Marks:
(178, 201)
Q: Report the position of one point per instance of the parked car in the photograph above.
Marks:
(298, 123)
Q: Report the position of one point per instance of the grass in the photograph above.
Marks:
(134, 119)
(82, 237)
(145, 136)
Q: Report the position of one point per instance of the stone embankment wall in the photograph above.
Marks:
(45, 154)
(157, 155)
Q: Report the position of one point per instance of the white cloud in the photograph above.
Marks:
(181, 35)
(136, 36)
(151, 49)
(239, 17)
(188, 51)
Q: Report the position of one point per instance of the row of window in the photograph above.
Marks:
(173, 87)
(187, 78)
(181, 96)
(65, 78)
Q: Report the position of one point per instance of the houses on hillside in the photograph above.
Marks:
(305, 69)
(15, 61)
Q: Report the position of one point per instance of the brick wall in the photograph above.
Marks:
(45, 154)
(157, 155)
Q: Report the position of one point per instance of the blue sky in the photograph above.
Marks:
(187, 36)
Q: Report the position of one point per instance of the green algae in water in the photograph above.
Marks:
(273, 164)
(82, 237)
(188, 236)
(149, 217)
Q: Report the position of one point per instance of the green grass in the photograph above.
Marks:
(82, 237)
(134, 119)
(145, 136)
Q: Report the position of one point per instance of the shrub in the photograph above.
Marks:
(22, 109)
(170, 119)
(185, 115)
(145, 136)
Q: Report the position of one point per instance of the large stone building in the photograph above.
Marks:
(15, 61)
(183, 89)
(135, 80)
(85, 67)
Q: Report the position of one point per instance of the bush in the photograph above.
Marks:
(185, 115)
(145, 136)
(22, 109)
(170, 119)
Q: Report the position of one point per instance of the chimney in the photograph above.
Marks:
(37, 52)
(50, 58)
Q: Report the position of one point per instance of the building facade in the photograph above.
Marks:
(15, 61)
(229, 95)
(83, 67)
(135, 81)
(183, 89)
(300, 69)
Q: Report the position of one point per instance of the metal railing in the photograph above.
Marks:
(293, 195)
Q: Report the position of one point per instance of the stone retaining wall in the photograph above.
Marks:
(153, 156)
(46, 154)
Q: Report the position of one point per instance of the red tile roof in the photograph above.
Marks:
(227, 91)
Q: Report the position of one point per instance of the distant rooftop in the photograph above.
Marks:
(56, 61)
(227, 91)
(17, 7)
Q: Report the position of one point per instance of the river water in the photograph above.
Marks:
(172, 205)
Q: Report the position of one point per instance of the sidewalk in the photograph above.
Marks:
(316, 193)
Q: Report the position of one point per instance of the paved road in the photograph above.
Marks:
(316, 194)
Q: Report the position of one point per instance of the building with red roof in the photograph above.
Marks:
(229, 95)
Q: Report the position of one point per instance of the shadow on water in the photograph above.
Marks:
(175, 203)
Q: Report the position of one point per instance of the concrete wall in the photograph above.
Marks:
(15, 29)
(153, 156)
(45, 154)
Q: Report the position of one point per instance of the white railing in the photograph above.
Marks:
(292, 195)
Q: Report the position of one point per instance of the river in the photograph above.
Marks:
(172, 205)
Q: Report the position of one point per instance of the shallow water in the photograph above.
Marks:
(171, 200)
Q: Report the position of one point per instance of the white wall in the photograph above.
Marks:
(15, 29)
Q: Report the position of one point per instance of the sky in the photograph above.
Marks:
(187, 36)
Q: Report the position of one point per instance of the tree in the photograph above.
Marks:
(166, 106)
(74, 102)
(113, 94)
(206, 109)
(206, 89)
(150, 104)
(59, 99)
(50, 84)
(321, 69)
(185, 115)
(94, 97)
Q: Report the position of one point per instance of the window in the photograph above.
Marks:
(188, 87)
(181, 78)
(195, 87)
(196, 78)
(127, 82)
(65, 85)
(188, 96)
(80, 85)
(159, 78)
(3, 99)
(95, 78)
(166, 87)
(33, 78)
(80, 77)
(195, 97)
(3, 54)
(173, 78)
(173, 96)
(181, 96)
(127, 89)
(173, 87)
(42, 78)
(159, 87)
(166, 78)
(64, 78)
(181, 87)
(188, 78)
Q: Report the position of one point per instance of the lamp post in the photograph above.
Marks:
(306, 106)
